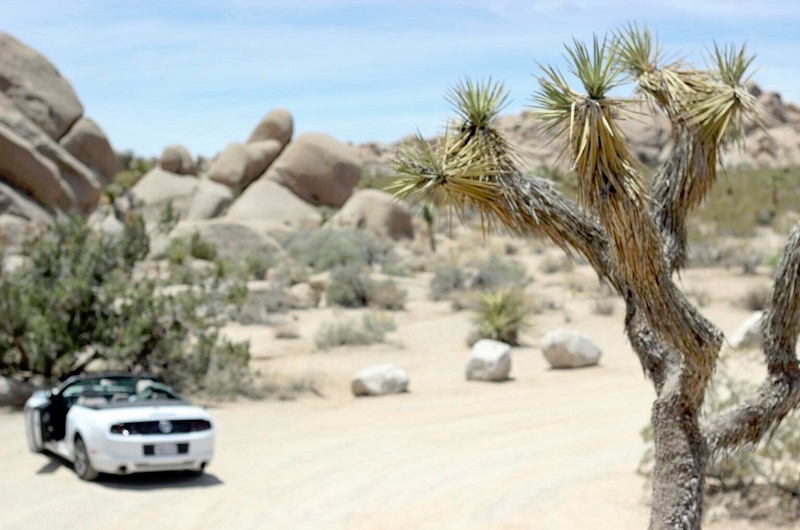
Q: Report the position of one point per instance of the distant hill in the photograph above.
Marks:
(778, 145)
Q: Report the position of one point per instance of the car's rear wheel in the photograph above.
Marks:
(33, 430)
(83, 466)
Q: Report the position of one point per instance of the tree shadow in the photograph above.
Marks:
(139, 481)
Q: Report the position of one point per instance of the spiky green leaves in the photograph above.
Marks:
(471, 165)
(719, 110)
(637, 50)
(477, 103)
(441, 172)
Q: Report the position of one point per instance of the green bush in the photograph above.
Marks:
(80, 301)
(199, 248)
(446, 280)
(324, 250)
(258, 264)
(498, 273)
(348, 287)
(370, 329)
(177, 251)
(501, 315)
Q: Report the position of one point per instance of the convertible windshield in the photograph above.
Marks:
(116, 391)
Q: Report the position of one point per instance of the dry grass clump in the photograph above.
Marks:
(448, 279)
(756, 299)
(370, 329)
(553, 264)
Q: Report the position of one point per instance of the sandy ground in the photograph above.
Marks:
(547, 450)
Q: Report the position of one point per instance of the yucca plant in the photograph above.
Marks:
(633, 234)
(501, 315)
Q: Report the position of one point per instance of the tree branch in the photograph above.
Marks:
(757, 415)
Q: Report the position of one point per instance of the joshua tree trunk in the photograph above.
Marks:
(635, 238)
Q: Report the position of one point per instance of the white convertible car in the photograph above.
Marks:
(119, 423)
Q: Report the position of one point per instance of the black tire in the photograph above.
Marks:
(83, 466)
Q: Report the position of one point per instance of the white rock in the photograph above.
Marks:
(13, 263)
(380, 380)
(489, 360)
(748, 334)
(567, 349)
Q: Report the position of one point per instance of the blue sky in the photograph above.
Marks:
(202, 72)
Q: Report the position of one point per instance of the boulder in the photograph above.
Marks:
(177, 159)
(238, 165)
(748, 335)
(87, 142)
(12, 202)
(268, 201)
(233, 240)
(276, 125)
(317, 168)
(377, 212)
(567, 349)
(13, 262)
(105, 222)
(209, 200)
(22, 166)
(303, 296)
(36, 164)
(15, 231)
(489, 360)
(158, 187)
(380, 380)
(37, 88)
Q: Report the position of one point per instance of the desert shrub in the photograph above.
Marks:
(177, 250)
(323, 250)
(370, 329)
(386, 294)
(501, 315)
(604, 305)
(289, 272)
(182, 274)
(462, 300)
(348, 287)
(258, 264)
(553, 264)
(199, 248)
(498, 273)
(168, 219)
(79, 301)
(756, 298)
(446, 280)
(396, 268)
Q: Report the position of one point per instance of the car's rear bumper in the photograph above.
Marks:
(128, 454)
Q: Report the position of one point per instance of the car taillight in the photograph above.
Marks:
(199, 425)
(124, 429)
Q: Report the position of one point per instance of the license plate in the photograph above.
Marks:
(165, 449)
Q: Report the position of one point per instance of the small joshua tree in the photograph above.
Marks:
(632, 235)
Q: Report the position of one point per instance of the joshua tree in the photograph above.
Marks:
(633, 235)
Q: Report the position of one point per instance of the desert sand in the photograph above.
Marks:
(546, 450)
